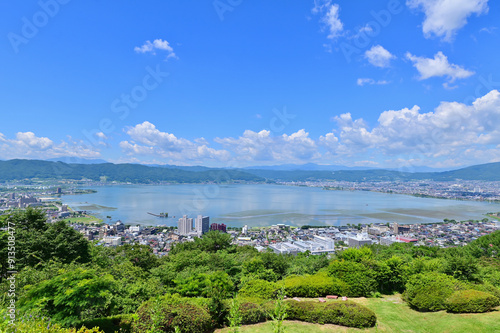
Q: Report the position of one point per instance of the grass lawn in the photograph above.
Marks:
(85, 220)
(393, 315)
(494, 217)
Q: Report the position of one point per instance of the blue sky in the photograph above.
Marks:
(236, 83)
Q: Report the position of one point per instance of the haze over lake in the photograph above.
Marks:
(262, 205)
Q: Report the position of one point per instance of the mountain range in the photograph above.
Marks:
(137, 173)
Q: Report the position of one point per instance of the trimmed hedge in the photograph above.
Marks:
(429, 291)
(465, 301)
(345, 313)
(252, 313)
(258, 289)
(485, 287)
(164, 315)
(314, 286)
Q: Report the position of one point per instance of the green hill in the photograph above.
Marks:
(134, 173)
(137, 173)
(487, 172)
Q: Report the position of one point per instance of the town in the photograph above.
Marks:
(279, 238)
(460, 190)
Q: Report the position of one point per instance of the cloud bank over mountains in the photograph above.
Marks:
(453, 134)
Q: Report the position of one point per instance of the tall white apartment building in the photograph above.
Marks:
(185, 225)
(201, 224)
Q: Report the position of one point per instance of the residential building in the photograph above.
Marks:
(202, 224)
(359, 240)
(216, 226)
(185, 225)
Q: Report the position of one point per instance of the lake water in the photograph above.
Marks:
(263, 205)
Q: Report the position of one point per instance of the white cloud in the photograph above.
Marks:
(364, 81)
(101, 136)
(451, 135)
(378, 56)
(146, 139)
(261, 146)
(443, 18)
(438, 67)
(490, 30)
(453, 131)
(157, 44)
(30, 140)
(333, 22)
(28, 145)
(330, 17)
(329, 141)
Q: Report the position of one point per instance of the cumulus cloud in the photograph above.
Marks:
(262, 146)
(157, 44)
(146, 139)
(443, 18)
(438, 67)
(452, 131)
(450, 135)
(28, 145)
(378, 56)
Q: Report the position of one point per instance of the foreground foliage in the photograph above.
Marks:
(77, 283)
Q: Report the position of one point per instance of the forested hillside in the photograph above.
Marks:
(134, 173)
(210, 282)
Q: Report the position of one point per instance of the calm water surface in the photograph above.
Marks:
(262, 205)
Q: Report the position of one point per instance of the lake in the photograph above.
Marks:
(264, 205)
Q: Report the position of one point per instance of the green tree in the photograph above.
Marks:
(140, 255)
(359, 278)
(214, 241)
(460, 264)
(76, 295)
(37, 241)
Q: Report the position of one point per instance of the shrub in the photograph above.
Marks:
(314, 286)
(121, 323)
(234, 315)
(345, 313)
(471, 301)
(74, 296)
(429, 291)
(359, 279)
(252, 313)
(163, 314)
(258, 289)
(485, 287)
(33, 323)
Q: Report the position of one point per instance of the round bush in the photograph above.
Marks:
(348, 314)
(258, 289)
(345, 313)
(314, 286)
(358, 278)
(485, 287)
(465, 301)
(165, 316)
(429, 291)
(252, 313)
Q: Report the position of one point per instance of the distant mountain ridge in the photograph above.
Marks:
(305, 167)
(137, 173)
(76, 160)
(133, 173)
(332, 167)
(487, 172)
